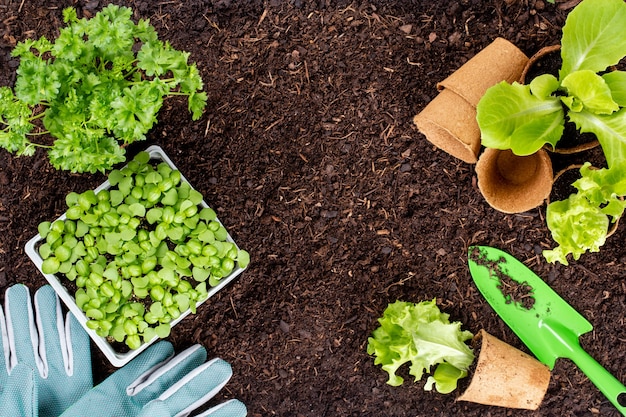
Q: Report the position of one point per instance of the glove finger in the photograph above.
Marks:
(230, 408)
(5, 352)
(143, 364)
(197, 387)
(20, 397)
(58, 389)
(155, 381)
(21, 332)
(51, 330)
(77, 341)
(62, 343)
(69, 378)
(113, 391)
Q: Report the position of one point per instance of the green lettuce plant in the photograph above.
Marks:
(98, 87)
(422, 335)
(524, 118)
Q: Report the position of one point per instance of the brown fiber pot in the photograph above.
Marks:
(536, 59)
(506, 377)
(512, 183)
(449, 120)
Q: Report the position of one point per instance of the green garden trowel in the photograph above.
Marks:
(548, 325)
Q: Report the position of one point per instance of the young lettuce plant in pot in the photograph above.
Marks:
(587, 92)
(422, 335)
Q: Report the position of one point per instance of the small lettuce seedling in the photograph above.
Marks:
(422, 335)
(523, 118)
(98, 86)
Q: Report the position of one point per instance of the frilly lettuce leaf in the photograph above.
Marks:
(581, 222)
(422, 335)
(510, 116)
(444, 378)
(593, 36)
(565, 219)
(600, 186)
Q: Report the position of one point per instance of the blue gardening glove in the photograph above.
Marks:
(46, 361)
(160, 408)
(158, 384)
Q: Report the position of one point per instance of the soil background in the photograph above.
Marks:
(308, 153)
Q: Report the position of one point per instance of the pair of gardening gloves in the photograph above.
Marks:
(45, 370)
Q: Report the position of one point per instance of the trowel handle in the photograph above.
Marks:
(610, 386)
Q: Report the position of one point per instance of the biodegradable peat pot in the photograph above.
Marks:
(449, 120)
(116, 355)
(562, 186)
(449, 123)
(512, 183)
(506, 377)
(547, 60)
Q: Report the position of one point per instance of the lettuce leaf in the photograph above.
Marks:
(616, 80)
(511, 117)
(610, 131)
(587, 90)
(444, 378)
(565, 219)
(581, 222)
(593, 36)
(422, 335)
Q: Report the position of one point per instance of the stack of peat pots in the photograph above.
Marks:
(508, 182)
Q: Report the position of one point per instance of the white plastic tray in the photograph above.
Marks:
(116, 358)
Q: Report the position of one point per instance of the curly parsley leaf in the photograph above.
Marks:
(134, 110)
(15, 123)
(86, 149)
(98, 86)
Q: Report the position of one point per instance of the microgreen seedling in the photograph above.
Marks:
(135, 260)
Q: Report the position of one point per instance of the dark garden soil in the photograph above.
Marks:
(308, 152)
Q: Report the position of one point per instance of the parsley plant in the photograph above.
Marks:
(98, 87)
